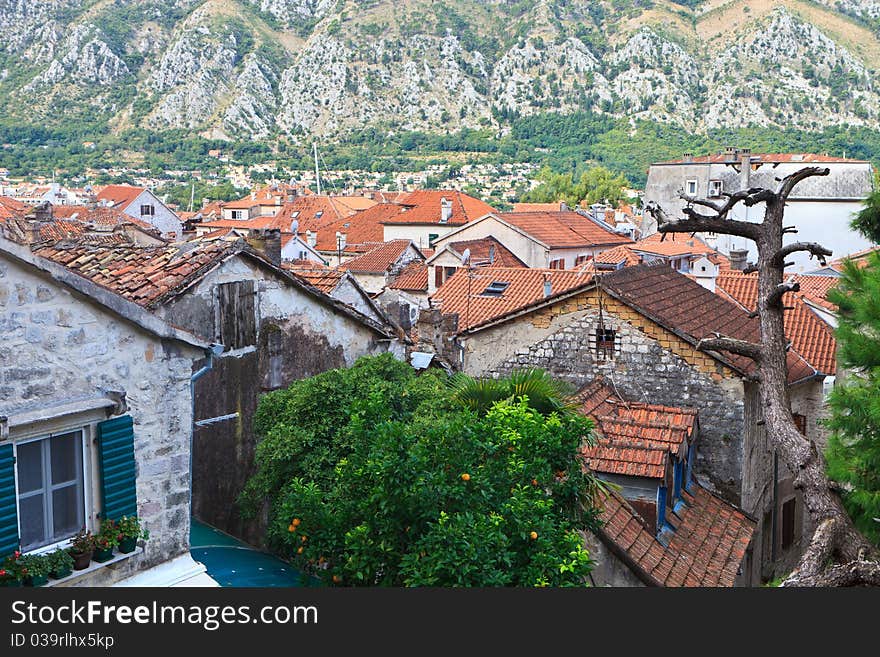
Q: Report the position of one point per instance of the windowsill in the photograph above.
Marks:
(93, 566)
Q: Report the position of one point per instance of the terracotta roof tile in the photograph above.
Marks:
(563, 229)
(120, 196)
(423, 207)
(379, 259)
(810, 336)
(10, 208)
(413, 278)
(323, 278)
(466, 292)
(487, 251)
(706, 548)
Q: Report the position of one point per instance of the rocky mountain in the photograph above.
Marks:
(254, 69)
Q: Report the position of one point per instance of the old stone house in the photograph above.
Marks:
(449, 257)
(381, 263)
(639, 328)
(96, 415)
(660, 527)
(275, 328)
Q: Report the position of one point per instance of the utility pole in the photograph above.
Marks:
(317, 173)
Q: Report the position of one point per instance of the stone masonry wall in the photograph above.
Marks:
(650, 364)
(58, 346)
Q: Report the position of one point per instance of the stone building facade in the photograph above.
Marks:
(73, 356)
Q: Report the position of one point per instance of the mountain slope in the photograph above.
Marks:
(255, 69)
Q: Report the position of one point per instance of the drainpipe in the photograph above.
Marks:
(215, 350)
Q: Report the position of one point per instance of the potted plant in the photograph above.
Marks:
(35, 569)
(130, 531)
(10, 570)
(82, 547)
(60, 564)
(105, 541)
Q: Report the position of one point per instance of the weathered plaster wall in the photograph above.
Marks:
(58, 346)
(651, 365)
(298, 336)
(608, 569)
(529, 251)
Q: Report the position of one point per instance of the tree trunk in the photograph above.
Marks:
(837, 552)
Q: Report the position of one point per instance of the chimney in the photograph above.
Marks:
(739, 259)
(32, 232)
(340, 240)
(43, 212)
(705, 273)
(730, 154)
(291, 195)
(311, 238)
(445, 210)
(491, 254)
(745, 172)
(688, 157)
(548, 285)
(268, 242)
(563, 206)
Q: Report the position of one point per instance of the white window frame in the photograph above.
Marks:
(151, 212)
(89, 464)
(691, 183)
(237, 215)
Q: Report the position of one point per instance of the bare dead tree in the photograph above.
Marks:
(838, 554)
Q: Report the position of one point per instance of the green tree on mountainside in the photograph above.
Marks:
(595, 185)
(377, 476)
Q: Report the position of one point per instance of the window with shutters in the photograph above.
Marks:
(51, 489)
(800, 421)
(148, 210)
(236, 314)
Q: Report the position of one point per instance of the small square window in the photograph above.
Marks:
(605, 343)
(559, 263)
(148, 210)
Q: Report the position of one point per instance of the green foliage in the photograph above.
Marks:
(108, 535)
(867, 221)
(198, 190)
(406, 486)
(595, 185)
(853, 452)
(59, 561)
(544, 393)
(35, 565)
(130, 527)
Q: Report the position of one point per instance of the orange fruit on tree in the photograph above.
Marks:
(465, 477)
(337, 579)
(534, 535)
(295, 522)
(299, 551)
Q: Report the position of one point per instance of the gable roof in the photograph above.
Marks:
(104, 296)
(706, 548)
(423, 207)
(692, 312)
(487, 251)
(10, 208)
(810, 336)
(379, 259)
(565, 229)
(412, 278)
(673, 244)
(464, 294)
(323, 278)
(120, 195)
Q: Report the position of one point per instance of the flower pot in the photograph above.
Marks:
(39, 580)
(127, 544)
(61, 574)
(102, 554)
(81, 560)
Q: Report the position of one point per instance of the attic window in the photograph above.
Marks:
(495, 289)
(606, 339)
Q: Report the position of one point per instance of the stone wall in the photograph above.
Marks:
(650, 365)
(608, 570)
(58, 346)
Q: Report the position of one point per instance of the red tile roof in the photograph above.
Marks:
(799, 158)
(413, 278)
(673, 244)
(322, 278)
(567, 229)
(482, 249)
(619, 256)
(423, 207)
(379, 259)
(810, 336)
(463, 292)
(10, 208)
(144, 275)
(691, 311)
(707, 548)
(120, 196)
(538, 207)
(99, 216)
(815, 289)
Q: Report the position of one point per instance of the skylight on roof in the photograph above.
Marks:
(495, 289)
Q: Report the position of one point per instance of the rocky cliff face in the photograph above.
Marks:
(254, 68)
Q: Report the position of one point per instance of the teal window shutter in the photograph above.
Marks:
(116, 452)
(9, 540)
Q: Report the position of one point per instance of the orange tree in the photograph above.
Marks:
(434, 493)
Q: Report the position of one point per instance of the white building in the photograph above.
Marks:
(821, 208)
